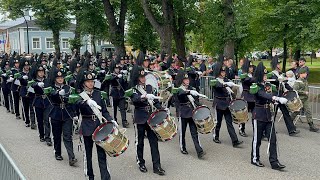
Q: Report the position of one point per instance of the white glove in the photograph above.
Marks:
(4, 74)
(230, 84)
(168, 110)
(119, 75)
(167, 76)
(25, 77)
(62, 92)
(10, 79)
(102, 71)
(92, 103)
(124, 71)
(283, 100)
(150, 97)
(194, 93)
(199, 72)
(75, 118)
(281, 78)
(40, 84)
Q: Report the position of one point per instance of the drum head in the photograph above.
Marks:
(201, 113)
(158, 117)
(103, 131)
(238, 104)
(152, 80)
(290, 95)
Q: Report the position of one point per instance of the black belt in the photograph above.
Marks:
(89, 117)
(147, 108)
(62, 106)
(263, 105)
(43, 96)
(186, 104)
(222, 97)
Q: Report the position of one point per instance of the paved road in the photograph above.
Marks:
(37, 162)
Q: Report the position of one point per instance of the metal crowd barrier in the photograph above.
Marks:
(8, 169)
(314, 94)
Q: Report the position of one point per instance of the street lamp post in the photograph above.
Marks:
(28, 45)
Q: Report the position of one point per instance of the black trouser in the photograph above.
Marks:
(102, 159)
(16, 100)
(258, 128)
(121, 103)
(6, 95)
(140, 130)
(194, 134)
(64, 127)
(11, 102)
(251, 105)
(43, 122)
(227, 116)
(287, 118)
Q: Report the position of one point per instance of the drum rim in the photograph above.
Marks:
(202, 106)
(98, 129)
(237, 100)
(153, 114)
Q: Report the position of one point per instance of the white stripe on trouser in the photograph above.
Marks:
(136, 140)
(255, 139)
(214, 129)
(180, 133)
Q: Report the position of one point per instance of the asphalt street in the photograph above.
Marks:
(36, 160)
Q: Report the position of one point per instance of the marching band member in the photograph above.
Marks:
(41, 103)
(222, 98)
(62, 115)
(85, 83)
(280, 84)
(118, 88)
(6, 83)
(263, 120)
(247, 79)
(75, 67)
(26, 96)
(186, 98)
(141, 95)
(193, 73)
(301, 86)
(15, 87)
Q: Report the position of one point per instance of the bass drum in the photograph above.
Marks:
(161, 81)
(163, 125)
(239, 111)
(203, 119)
(109, 137)
(294, 103)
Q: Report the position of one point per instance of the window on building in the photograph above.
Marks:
(99, 43)
(36, 43)
(65, 43)
(49, 43)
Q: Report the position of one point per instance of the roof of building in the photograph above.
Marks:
(20, 23)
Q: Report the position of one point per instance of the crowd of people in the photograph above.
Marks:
(45, 83)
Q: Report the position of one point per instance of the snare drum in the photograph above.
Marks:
(108, 136)
(161, 81)
(294, 103)
(163, 125)
(203, 119)
(239, 111)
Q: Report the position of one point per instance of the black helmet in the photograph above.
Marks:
(181, 75)
(260, 72)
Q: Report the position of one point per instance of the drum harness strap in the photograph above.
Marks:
(230, 92)
(143, 92)
(191, 99)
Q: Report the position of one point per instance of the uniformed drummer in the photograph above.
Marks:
(188, 99)
(222, 98)
(6, 84)
(140, 97)
(247, 79)
(263, 120)
(62, 115)
(85, 83)
(15, 87)
(278, 81)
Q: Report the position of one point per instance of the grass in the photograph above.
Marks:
(314, 77)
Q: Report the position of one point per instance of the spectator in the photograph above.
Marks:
(202, 66)
(302, 64)
(240, 65)
(294, 66)
(231, 70)
(211, 63)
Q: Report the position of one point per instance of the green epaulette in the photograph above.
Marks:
(273, 88)
(269, 75)
(243, 76)
(107, 77)
(68, 78)
(213, 82)
(254, 88)
(175, 90)
(47, 90)
(104, 95)
(17, 75)
(73, 98)
(31, 82)
(128, 93)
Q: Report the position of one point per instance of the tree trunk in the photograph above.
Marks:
(56, 42)
(313, 54)
(116, 29)
(229, 26)
(77, 32)
(270, 53)
(285, 48)
(297, 54)
(93, 43)
(178, 29)
(164, 29)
